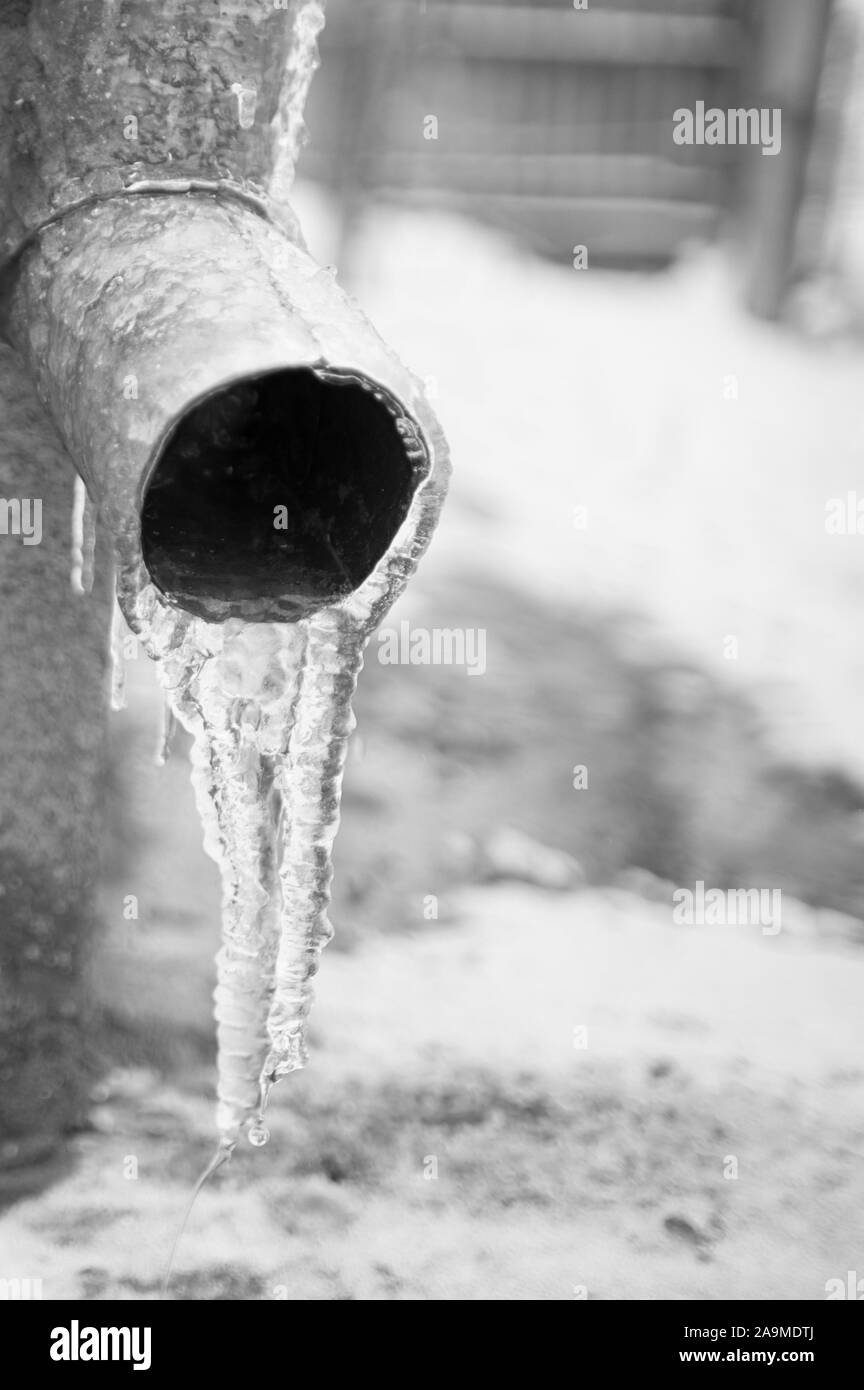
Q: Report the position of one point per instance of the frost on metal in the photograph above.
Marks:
(103, 94)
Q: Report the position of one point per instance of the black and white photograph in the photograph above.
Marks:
(432, 528)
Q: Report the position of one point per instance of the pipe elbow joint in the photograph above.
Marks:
(243, 432)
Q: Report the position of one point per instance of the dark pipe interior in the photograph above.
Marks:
(327, 454)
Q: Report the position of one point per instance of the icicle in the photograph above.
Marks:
(299, 72)
(83, 539)
(118, 661)
(242, 785)
(234, 687)
(269, 710)
(312, 782)
(167, 730)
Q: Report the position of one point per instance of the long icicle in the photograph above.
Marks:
(313, 779)
(236, 688)
(230, 772)
(240, 705)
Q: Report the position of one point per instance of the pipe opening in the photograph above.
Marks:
(275, 496)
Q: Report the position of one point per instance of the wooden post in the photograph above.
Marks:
(792, 50)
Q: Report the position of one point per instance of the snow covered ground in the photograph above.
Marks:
(452, 1141)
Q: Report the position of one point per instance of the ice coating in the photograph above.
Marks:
(118, 664)
(269, 710)
(299, 71)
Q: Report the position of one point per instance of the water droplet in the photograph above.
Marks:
(258, 1135)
